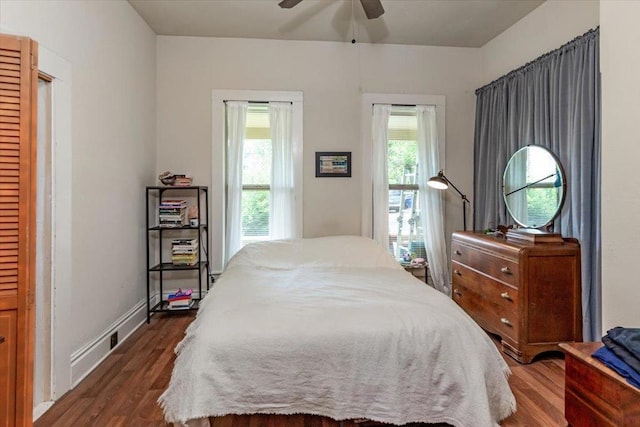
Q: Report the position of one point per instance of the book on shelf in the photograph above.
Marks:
(172, 212)
(184, 252)
(178, 202)
(190, 241)
(181, 305)
(178, 246)
(184, 249)
(182, 180)
(180, 294)
(186, 262)
(180, 299)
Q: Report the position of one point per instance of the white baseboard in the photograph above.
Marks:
(85, 359)
(41, 408)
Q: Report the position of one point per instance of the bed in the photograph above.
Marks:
(333, 326)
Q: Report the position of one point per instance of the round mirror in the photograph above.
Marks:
(534, 186)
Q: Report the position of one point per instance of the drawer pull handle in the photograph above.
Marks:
(457, 272)
(506, 270)
(458, 292)
(1, 339)
(506, 296)
(457, 252)
(505, 321)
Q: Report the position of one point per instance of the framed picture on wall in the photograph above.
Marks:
(336, 164)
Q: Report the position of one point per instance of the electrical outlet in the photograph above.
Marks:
(114, 340)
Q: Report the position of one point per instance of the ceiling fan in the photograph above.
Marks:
(372, 8)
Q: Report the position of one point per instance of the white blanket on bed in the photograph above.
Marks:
(340, 342)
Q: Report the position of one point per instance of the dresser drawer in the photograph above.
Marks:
(492, 265)
(492, 304)
(498, 293)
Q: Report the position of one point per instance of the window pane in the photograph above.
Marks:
(403, 124)
(402, 160)
(256, 167)
(405, 229)
(255, 215)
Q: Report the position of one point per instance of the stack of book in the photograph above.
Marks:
(172, 213)
(184, 251)
(182, 180)
(180, 300)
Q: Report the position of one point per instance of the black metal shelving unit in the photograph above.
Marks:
(153, 197)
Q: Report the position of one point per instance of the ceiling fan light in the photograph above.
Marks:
(288, 4)
(372, 8)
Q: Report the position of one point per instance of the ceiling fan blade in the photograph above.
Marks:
(372, 8)
(288, 4)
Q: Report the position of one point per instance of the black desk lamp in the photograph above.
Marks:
(441, 182)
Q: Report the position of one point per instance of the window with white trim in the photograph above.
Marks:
(257, 168)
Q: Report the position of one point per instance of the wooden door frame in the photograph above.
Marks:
(43, 380)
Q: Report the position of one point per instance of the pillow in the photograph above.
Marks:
(330, 251)
(343, 251)
(273, 254)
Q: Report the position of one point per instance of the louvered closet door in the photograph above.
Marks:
(18, 101)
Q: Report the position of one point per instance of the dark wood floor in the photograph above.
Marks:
(123, 390)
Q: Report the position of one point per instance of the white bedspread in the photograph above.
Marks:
(336, 341)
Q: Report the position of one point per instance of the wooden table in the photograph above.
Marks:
(595, 395)
(421, 271)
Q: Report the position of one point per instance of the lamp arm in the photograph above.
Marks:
(464, 198)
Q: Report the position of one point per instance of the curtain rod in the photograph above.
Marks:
(589, 34)
(253, 102)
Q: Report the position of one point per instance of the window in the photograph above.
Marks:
(402, 147)
(256, 169)
(405, 229)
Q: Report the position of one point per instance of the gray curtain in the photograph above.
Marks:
(553, 101)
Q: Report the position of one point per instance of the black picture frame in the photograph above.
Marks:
(333, 164)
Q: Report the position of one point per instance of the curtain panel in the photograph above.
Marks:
(282, 218)
(554, 102)
(236, 123)
(380, 172)
(431, 200)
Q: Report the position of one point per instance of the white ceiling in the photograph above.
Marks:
(462, 23)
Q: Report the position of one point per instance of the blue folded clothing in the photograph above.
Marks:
(609, 358)
(629, 338)
(622, 353)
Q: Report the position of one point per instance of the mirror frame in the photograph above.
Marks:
(563, 177)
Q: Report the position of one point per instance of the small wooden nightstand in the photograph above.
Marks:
(421, 271)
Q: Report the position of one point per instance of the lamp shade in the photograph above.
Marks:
(438, 182)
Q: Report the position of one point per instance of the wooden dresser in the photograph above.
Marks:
(527, 292)
(596, 396)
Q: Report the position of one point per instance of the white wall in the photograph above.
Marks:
(332, 77)
(552, 24)
(620, 68)
(111, 52)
